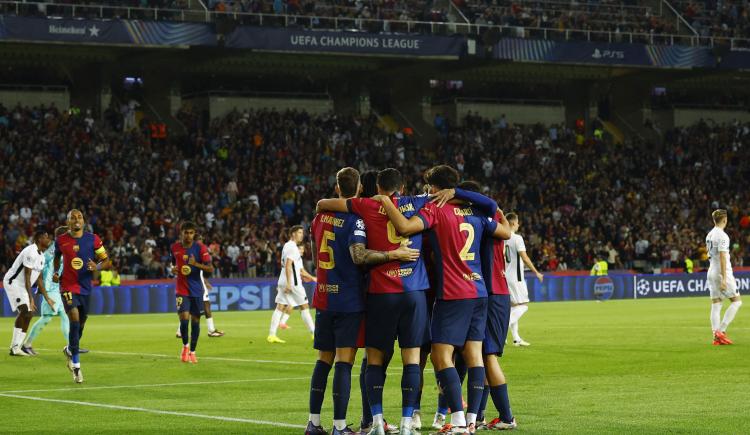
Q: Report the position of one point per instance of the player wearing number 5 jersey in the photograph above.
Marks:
(721, 282)
(460, 312)
(81, 253)
(396, 305)
(339, 241)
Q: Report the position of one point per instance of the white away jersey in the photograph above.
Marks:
(30, 257)
(717, 241)
(291, 251)
(513, 263)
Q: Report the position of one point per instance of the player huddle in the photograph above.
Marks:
(435, 281)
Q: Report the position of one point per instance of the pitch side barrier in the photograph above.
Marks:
(157, 296)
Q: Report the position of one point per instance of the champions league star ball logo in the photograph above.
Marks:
(360, 224)
(642, 287)
(604, 287)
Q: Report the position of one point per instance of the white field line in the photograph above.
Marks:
(214, 358)
(115, 387)
(155, 411)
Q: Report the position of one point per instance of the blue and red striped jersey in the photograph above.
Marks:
(76, 253)
(394, 276)
(493, 263)
(189, 279)
(456, 239)
(341, 284)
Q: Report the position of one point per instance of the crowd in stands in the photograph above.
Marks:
(248, 175)
(722, 18)
(640, 205)
(605, 15)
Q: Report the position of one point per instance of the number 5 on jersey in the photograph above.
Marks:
(325, 248)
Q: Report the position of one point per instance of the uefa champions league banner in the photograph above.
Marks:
(680, 285)
(305, 41)
(134, 32)
(159, 297)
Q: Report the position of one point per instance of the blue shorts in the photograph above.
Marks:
(335, 329)
(395, 315)
(498, 317)
(73, 300)
(427, 340)
(190, 303)
(457, 321)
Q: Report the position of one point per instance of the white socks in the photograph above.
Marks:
(515, 315)
(315, 419)
(458, 419)
(729, 315)
(284, 318)
(377, 420)
(14, 339)
(715, 316)
(471, 418)
(210, 323)
(307, 318)
(405, 422)
(275, 319)
(339, 424)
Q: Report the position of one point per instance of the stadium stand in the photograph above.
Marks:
(716, 18)
(245, 175)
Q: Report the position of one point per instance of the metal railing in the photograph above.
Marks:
(366, 25)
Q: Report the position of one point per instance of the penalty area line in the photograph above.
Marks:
(155, 411)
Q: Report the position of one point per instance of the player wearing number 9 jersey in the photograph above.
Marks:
(339, 241)
(460, 312)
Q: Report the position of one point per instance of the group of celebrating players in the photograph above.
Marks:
(426, 270)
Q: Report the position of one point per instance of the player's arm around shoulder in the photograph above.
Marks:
(332, 204)
(403, 226)
(502, 231)
(363, 256)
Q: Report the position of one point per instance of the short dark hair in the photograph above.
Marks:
(369, 180)
(294, 229)
(348, 181)
(39, 234)
(719, 215)
(188, 225)
(470, 185)
(442, 177)
(511, 217)
(390, 180)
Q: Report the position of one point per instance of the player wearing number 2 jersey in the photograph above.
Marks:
(460, 312)
(721, 282)
(339, 241)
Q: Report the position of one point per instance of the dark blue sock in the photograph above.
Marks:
(475, 388)
(451, 385)
(375, 380)
(184, 331)
(460, 367)
(73, 340)
(502, 403)
(80, 330)
(483, 404)
(342, 386)
(318, 386)
(442, 406)
(195, 332)
(366, 414)
(409, 389)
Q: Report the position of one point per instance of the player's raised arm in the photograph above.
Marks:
(403, 226)
(483, 203)
(503, 228)
(364, 256)
(333, 205)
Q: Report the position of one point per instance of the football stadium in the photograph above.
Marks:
(331, 217)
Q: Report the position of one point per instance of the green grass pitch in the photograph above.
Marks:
(597, 368)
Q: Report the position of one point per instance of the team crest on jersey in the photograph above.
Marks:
(184, 258)
(76, 248)
(76, 263)
(186, 270)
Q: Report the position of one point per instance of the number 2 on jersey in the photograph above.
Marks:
(465, 255)
(324, 248)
